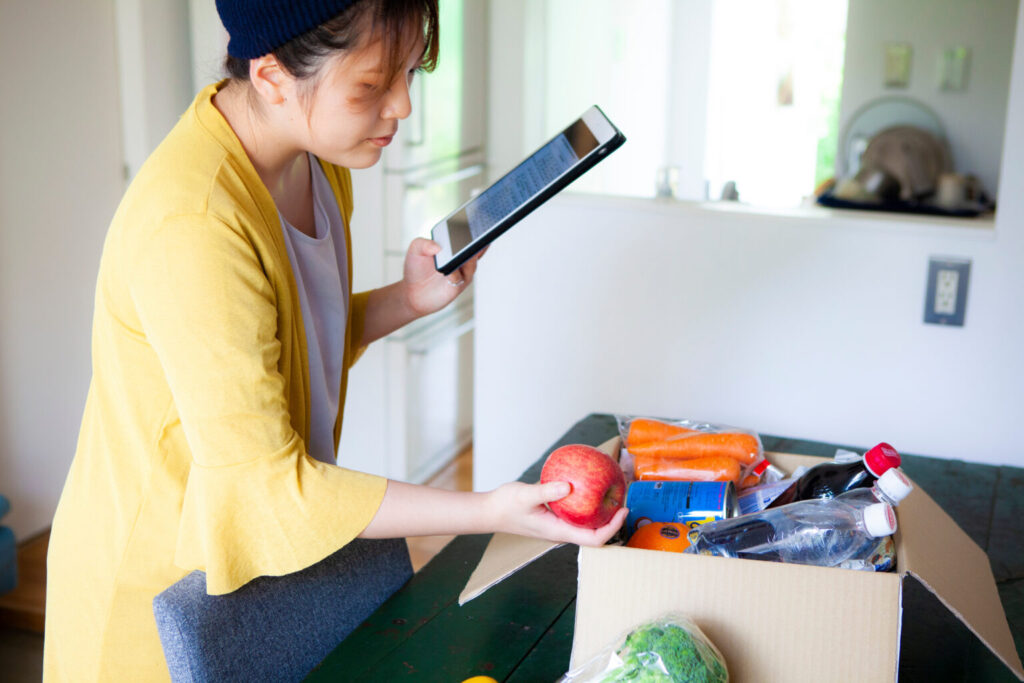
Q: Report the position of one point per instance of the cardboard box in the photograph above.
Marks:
(772, 621)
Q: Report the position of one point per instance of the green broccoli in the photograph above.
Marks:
(652, 650)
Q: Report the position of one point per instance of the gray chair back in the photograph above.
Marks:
(276, 628)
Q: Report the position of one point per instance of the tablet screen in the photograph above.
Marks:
(516, 188)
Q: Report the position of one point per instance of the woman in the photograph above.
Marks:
(224, 328)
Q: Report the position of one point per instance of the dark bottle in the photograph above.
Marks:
(829, 479)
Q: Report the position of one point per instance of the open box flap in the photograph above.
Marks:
(935, 550)
(507, 553)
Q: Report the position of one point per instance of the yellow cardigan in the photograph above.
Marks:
(191, 453)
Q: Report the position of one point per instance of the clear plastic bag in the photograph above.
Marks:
(757, 498)
(691, 450)
(670, 648)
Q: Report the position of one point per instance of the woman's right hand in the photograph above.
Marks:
(519, 508)
(516, 508)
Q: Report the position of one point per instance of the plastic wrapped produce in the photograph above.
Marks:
(670, 649)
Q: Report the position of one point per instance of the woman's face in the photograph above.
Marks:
(347, 124)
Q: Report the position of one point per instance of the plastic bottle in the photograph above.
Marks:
(824, 532)
(892, 487)
(881, 557)
(829, 479)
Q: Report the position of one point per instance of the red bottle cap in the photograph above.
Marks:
(880, 459)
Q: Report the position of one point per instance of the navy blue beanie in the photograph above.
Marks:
(258, 27)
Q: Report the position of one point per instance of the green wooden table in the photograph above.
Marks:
(521, 630)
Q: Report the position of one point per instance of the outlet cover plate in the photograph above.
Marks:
(946, 298)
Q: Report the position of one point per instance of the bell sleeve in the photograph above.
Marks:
(357, 323)
(255, 503)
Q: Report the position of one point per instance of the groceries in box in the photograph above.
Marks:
(743, 606)
(818, 517)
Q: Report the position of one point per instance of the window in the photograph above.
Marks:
(721, 90)
(773, 97)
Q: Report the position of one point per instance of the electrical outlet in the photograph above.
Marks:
(946, 287)
(946, 296)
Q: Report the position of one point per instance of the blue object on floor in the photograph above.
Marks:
(276, 627)
(8, 553)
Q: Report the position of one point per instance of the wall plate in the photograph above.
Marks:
(946, 296)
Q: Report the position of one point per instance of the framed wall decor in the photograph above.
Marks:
(897, 65)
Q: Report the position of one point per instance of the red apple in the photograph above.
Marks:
(598, 485)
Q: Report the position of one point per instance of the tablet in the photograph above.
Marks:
(512, 197)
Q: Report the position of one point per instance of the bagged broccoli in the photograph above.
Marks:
(670, 649)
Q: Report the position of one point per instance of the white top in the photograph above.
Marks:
(320, 267)
(894, 485)
(880, 520)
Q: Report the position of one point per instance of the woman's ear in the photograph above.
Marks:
(273, 84)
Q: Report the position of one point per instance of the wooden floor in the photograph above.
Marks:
(24, 607)
(456, 476)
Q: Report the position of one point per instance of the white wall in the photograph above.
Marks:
(90, 90)
(60, 180)
(155, 69)
(974, 118)
(793, 324)
(691, 53)
(208, 42)
(509, 67)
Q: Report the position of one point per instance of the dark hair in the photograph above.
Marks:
(390, 20)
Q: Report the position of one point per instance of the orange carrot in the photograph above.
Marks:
(750, 480)
(645, 430)
(739, 446)
(715, 468)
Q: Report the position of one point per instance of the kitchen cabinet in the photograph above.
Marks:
(410, 397)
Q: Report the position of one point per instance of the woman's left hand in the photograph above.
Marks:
(426, 289)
